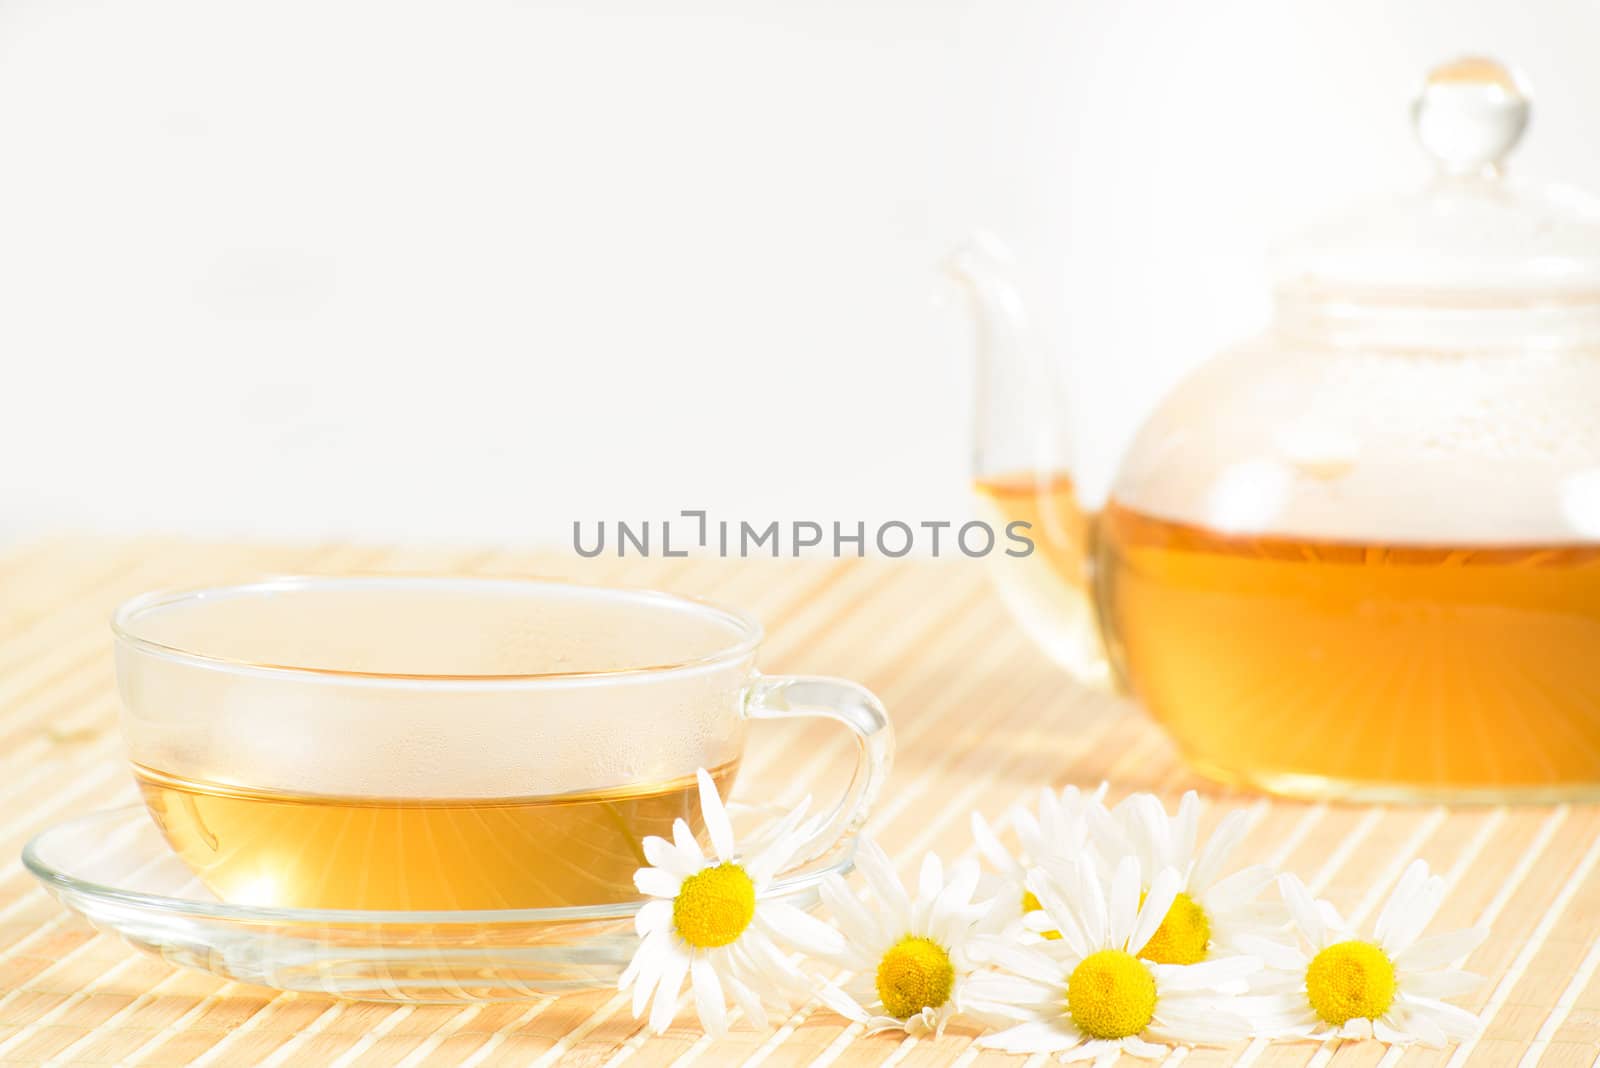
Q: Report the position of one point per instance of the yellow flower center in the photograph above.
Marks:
(1350, 981)
(1184, 934)
(1111, 994)
(915, 974)
(714, 906)
(1030, 903)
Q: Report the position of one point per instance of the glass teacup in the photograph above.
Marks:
(451, 743)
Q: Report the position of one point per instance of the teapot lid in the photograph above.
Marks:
(1472, 235)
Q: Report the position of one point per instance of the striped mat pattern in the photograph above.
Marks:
(982, 722)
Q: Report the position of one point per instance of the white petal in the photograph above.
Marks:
(1002, 908)
(930, 880)
(1306, 915)
(771, 963)
(855, 923)
(631, 972)
(1268, 1016)
(787, 839)
(1383, 1032)
(1400, 897)
(647, 982)
(1100, 1051)
(1123, 903)
(747, 1000)
(1423, 910)
(1052, 887)
(1444, 984)
(1150, 831)
(654, 915)
(1028, 830)
(1007, 997)
(801, 930)
(1453, 1020)
(1050, 815)
(656, 849)
(989, 846)
(1357, 1029)
(1199, 1016)
(1208, 866)
(1276, 981)
(841, 1003)
(1163, 891)
(1003, 1013)
(715, 817)
(1089, 895)
(1037, 921)
(656, 882)
(957, 893)
(1402, 1028)
(666, 994)
(1199, 1031)
(683, 838)
(1234, 891)
(1024, 961)
(947, 926)
(788, 824)
(1061, 915)
(1426, 1030)
(1268, 919)
(1108, 832)
(668, 857)
(1149, 1051)
(1405, 921)
(1185, 828)
(877, 1025)
(879, 873)
(644, 971)
(752, 971)
(1440, 949)
(1333, 925)
(1035, 1036)
(1226, 974)
(1275, 954)
(709, 1003)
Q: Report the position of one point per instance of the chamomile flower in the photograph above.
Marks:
(910, 952)
(1059, 832)
(1215, 905)
(1388, 985)
(1089, 995)
(707, 921)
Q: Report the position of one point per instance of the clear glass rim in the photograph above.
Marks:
(747, 633)
(840, 860)
(1422, 322)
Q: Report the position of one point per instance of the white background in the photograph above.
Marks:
(475, 270)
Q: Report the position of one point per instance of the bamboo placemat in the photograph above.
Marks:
(982, 722)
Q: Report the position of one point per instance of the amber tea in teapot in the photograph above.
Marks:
(1444, 665)
(1359, 556)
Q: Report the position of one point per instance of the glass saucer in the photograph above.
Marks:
(116, 870)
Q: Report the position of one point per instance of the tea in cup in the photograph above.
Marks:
(447, 744)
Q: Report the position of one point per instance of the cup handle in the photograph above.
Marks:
(858, 709)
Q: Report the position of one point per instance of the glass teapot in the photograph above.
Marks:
(1359, 555)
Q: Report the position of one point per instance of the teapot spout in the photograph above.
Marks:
(1021, 471)
(1018, 426)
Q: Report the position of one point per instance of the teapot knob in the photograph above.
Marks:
(1470, 114)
